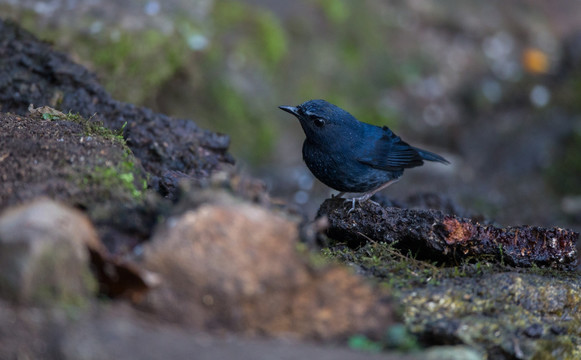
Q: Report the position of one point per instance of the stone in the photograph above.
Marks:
(236, 267)
(43, 254)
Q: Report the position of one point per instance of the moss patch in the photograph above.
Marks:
(477, 303)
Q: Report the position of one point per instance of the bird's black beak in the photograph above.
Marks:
(290, 109)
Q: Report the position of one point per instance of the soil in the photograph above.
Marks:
(33, 73)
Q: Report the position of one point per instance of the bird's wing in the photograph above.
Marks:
(390, 153)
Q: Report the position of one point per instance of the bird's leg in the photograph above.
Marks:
(367, 195)
(339, 195)
(352, 205)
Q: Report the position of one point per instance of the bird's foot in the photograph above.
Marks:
(367, 195)
(359, 199)
(352, 201)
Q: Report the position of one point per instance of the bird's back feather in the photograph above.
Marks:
(390, 152)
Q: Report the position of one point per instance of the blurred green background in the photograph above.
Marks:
(493, 86)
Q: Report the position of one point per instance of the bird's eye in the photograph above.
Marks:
(319, 122)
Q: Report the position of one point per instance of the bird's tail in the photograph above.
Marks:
(430, 156)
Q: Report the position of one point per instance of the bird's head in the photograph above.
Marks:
(322, 120)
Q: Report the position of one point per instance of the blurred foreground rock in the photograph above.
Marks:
(115, 335)
(44, 255)
(116, 331)
(435, 236)
(237, 267)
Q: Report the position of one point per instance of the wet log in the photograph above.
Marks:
(435, 236)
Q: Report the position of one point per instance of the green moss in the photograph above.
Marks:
(477, 302)
(255, 34)
(362, 343)
(272, 36)
(135, 63)
(114, 178)
(316, 260)
(336, 10)
(388, 265)
(90, 127)
(119, 177)
(560, 348)
(48, 116)
(398, 337)
(493, 308)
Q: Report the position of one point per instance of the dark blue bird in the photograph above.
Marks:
(351, 156)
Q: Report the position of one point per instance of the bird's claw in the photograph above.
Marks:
(359, 200)
(352, 205)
